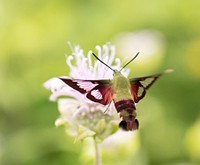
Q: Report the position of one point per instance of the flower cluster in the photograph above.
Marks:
(82, 117)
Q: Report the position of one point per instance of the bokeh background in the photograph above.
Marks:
(33, 44)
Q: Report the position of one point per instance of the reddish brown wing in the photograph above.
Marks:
(101, 93)
(140, 85)
(96, 90)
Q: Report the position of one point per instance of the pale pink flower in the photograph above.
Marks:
(82, 117)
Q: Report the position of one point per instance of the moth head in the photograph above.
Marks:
(115, 72)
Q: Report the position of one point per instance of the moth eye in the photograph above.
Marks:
(114, 72)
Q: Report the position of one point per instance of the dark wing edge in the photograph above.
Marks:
(96, 90)
(73, 84)
(140, 85)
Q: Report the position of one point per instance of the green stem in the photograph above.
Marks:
(97, 154)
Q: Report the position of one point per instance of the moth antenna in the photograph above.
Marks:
(130, 61)
(103, 62)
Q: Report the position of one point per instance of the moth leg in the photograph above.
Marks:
(107, 108)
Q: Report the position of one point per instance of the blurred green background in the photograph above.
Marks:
(33, 44)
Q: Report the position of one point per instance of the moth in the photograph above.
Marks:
(124, 92)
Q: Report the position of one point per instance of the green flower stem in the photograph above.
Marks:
(97, 154)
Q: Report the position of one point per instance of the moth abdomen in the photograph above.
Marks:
(129, 125)
(126, 104)
(127, 111)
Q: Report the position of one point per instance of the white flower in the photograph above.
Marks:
(82, 117)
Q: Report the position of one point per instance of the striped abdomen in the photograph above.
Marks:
(127, 111)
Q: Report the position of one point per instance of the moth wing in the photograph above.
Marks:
(83, 86)
(95, 90)
(140, 85)
(102, 93)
